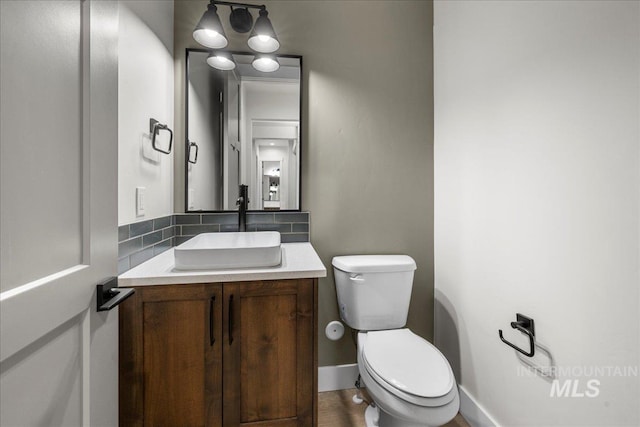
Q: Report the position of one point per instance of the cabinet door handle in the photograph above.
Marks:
(212, 338)
(230, 319)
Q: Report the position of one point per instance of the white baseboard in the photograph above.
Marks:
(339, 377)
(472, 412)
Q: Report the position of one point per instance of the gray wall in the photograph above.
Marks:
(367, 147)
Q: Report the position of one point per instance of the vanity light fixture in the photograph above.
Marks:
(209, 31)
(221, 60)
(263, 38)
(266, 63)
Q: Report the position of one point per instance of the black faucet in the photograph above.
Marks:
(242, 202)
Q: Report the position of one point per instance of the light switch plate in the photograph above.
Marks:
(140, 201)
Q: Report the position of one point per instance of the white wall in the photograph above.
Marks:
(537, 201)
(145, 90)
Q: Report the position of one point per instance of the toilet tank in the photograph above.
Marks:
(374, 291)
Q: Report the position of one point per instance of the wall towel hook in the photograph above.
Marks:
(154, 129)
(525, 325)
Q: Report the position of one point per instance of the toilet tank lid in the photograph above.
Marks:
(374, 263)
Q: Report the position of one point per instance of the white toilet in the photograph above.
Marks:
(410, 381)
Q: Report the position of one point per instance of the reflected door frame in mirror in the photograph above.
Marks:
(228, 120)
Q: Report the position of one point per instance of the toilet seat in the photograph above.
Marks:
(409, 367)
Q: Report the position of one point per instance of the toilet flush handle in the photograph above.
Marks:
(356, 278)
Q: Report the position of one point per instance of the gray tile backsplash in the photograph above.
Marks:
(151, 238)
(168, 232)
(142, 256)
(164, 222)
(123, 233)
(293, 226)
(192, 230)
(140, 228)
(143, 240)
(188, 219)
(300, 227)
(282, 228)
(295, 217)
(129, 246)
(224, 218)
(140, 241)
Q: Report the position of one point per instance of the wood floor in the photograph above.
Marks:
(336, 409)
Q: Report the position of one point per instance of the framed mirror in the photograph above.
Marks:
(242, 126)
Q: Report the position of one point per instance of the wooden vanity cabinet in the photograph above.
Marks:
(232, 354)
(268, 354)
(171, 356)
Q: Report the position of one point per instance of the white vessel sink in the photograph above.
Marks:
(212, 251)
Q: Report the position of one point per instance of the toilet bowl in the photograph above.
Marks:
(410, 381)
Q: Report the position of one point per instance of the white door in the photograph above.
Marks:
(58, 222)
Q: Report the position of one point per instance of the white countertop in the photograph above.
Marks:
(299, 260)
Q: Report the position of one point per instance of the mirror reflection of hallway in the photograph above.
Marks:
(275, 141)
(271, 185)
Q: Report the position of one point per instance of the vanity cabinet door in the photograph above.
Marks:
(269, 353)
(171, 358)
